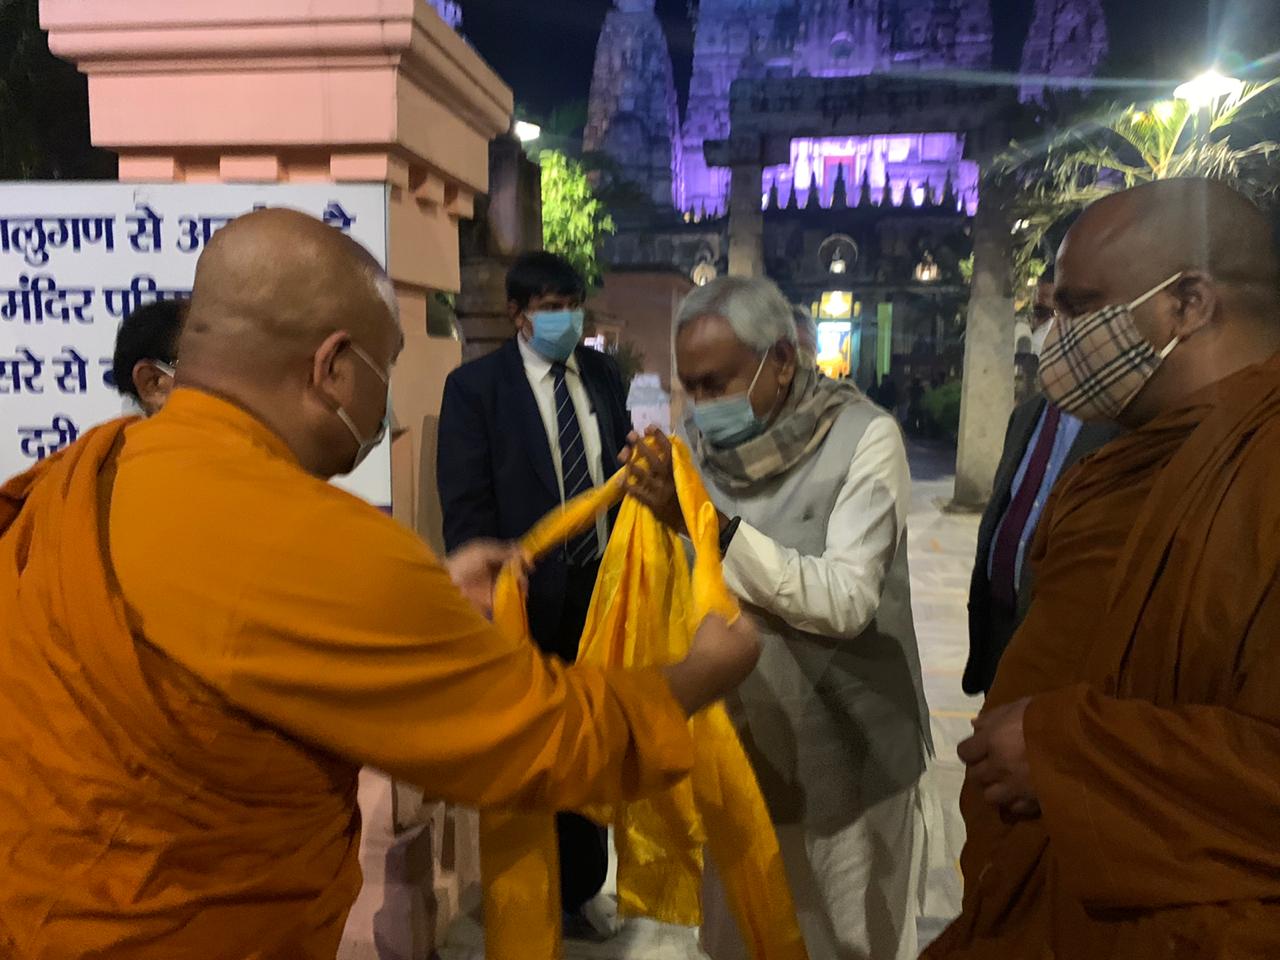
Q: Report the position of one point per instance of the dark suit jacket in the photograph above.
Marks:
(990, 627)
(494, 469)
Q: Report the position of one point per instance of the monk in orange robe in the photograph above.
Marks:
(203, 641)
(1124, 778)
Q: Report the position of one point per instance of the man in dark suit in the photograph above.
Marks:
(1040, 445)
(521, 431)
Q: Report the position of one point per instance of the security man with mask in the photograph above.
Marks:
(522, 430)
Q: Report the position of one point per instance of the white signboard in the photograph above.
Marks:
(76, 258)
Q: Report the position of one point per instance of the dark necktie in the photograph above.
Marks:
(574, 468)
(1004, 553)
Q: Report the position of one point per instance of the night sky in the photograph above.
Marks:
(545, 48)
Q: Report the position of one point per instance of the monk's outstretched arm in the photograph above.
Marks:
(1149, 807)
(348, 634)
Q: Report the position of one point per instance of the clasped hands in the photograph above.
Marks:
(996, 757)
(474, 568)
(651, 476)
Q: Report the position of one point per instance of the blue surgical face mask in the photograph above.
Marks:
(556, 333)
(730, 421)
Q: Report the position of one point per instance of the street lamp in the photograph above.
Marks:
(527, 132)
(1203, 94)
(1207, 88)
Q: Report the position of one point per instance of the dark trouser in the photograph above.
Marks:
(584, 845)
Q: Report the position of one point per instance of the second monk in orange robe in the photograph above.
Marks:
(1124, 777)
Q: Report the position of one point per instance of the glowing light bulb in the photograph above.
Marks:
(527, 132)
(1208, 87)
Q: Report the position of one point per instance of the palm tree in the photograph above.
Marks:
(1127, 146)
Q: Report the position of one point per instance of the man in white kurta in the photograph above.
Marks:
(812, 485)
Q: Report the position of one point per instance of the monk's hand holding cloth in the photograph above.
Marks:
(721, 657)
(996, 756)
(474, 569)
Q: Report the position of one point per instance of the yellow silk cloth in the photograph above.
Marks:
(644, 612)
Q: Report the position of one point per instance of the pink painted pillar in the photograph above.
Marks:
(324, 90)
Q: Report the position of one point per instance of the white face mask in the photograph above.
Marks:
(366, 446)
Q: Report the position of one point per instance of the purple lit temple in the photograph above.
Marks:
(634, 119)
(832, 145)
(449, 10)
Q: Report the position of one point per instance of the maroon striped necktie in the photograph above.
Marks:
(1004, 553)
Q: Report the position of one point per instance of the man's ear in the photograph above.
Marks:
(1199, 302)
(786, 356)
(325, 371)
(519, 317)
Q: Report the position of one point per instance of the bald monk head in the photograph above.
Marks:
(1224, 309)
(297, 324)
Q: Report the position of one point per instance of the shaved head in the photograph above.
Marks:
(1224, 308)
(1133, 240)
(282, 308)
(284, 281)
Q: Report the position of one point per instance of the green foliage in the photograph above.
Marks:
(574, 221)
(1127, 146)
(942, 407)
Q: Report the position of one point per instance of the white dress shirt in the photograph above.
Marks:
(836, 594)
(542, 381)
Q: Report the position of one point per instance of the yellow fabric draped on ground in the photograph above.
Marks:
(644, 612)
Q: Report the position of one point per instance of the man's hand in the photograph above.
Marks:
(651, 477)
(996, 756)
(474, 569)
(720, 658)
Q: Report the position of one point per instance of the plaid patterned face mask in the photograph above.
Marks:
(1094, 366)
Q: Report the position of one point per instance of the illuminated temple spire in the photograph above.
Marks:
(633, 116)
(1067, 40)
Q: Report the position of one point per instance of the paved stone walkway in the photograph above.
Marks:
(941, 550)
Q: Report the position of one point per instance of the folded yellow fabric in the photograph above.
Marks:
(646, 607)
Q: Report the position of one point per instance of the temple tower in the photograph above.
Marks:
(633, 116)
(732, 38)
(1067, 40)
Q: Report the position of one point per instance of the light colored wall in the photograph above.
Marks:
(642, 305)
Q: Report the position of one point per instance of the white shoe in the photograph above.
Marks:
(597, 920)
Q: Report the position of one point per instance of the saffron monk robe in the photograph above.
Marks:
(1124, 776)
(203, 641)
